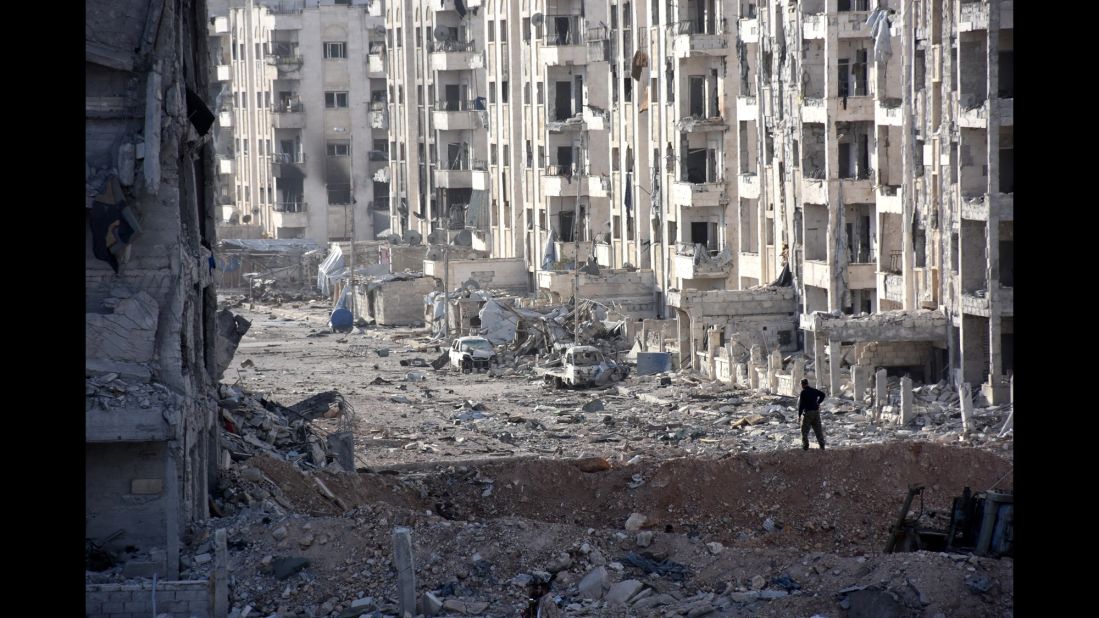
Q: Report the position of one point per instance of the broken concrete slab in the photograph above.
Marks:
(623, 591)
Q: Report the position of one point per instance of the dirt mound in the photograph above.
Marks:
(840, 500)
(847, 498)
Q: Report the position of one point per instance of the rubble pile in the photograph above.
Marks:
(732, 537)
(111, 391)
(253, 425)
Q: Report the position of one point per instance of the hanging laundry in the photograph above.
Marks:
(656, 197)
(549, 254)
(879, 30)
(460, 6)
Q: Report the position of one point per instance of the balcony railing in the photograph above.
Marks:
(459, 105)
(289, 106)
(463, 164)
(290, 207)
(377, 106)
(895, 262)
(285, 59)
(691, 26)
(287, 7)
(452, 46)
(288, 157)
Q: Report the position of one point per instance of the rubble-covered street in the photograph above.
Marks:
(661, 495)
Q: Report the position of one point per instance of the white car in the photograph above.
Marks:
(472, 354)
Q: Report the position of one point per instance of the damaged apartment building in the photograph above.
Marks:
(856, 152)
(301, 133)
(152, 342)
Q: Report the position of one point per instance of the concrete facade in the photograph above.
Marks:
(890, 176)
(324, 116)
(152, 321)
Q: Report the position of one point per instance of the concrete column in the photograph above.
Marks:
(406, 574)
(966, 397)
(818, 359)
(796, 375)
(220, 575)
(881, 389)
(754, 365)
(172, 511)
(774, 367)
(859, 378)
(834, 358)
(906, 400)
(713, 341)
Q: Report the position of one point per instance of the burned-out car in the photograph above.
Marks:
(583, 365)
(472, 354)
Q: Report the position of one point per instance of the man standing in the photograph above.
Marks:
(809, 405)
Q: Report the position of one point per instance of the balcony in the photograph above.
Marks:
(280, 159)
(288, 65)
(862, 276)
(456, 56)
(288, 115)
(691, 40)
(586, 120)
(747, 108)
(709, 265)
(463, 175)
(852, 24)
(858, 108)
(558, 181)
(892, 285)
(748, 186)
(564, 41)
(816, 273)
(975, 116)
(749, 30)
(378, 116)
(458, 115)
(699, 194)
(858, 189)
(375, 66)
(888, 199)
(888, 112)
(976, 305)
(224, 73)
(697, 124)
(814, 190)
(973, 16)
(290, 214)
(975, 207)
(220, 25)
(814, 110)
(814, 26)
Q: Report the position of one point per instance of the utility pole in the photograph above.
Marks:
(446, 276)
(351, 270)
(576, 246)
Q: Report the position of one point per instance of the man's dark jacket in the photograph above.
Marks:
(809, 399)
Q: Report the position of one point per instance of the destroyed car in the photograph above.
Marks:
(584, 365)
(472, 354)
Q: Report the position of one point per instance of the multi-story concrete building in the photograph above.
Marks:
(320, 131)
(240, 40)
(841, 145)
(887, 162)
